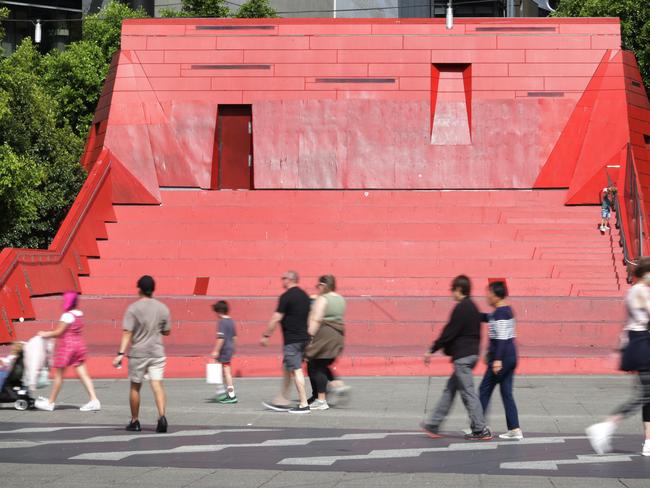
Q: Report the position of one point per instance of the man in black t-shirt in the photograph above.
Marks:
(292, 314)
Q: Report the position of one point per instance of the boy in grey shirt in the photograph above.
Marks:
(224, 348)
(145, 322)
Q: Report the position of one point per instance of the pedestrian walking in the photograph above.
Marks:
(501, 358)
(326, 328)
(70, 350)
(635, 358)
(223, 351)
(460, 340)
(291, 315)
(145, 322)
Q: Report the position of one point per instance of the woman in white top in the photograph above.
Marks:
(636, 358)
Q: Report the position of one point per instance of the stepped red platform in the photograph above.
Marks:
(344, 127)
(394, 254)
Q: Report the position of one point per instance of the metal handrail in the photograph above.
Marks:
(631, 189)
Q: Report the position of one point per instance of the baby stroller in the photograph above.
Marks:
(12, 389)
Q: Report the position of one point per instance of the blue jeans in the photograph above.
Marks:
(504, 379)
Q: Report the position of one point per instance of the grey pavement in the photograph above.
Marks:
(372, 441)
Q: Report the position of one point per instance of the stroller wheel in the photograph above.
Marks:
(21, 404)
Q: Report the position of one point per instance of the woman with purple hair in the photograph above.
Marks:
(70, 350)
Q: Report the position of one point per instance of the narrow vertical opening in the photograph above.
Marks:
(451, 104)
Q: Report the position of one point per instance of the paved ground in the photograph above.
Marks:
(373, 441)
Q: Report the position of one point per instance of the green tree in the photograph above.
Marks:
(105, 27)
(256, 9)
(4, 13)
(20, 200)
(635, 24)
(199, 8)
(74, 78)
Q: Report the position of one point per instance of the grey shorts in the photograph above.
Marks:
(154, 367)
(292, 355)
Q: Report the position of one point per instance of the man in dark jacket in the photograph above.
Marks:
(460, 340)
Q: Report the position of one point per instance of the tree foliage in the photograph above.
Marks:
(104, 28)
(74, 78)
(635, 24)
(4, 13)
(199, 8)
(251, 9)
(256, 9)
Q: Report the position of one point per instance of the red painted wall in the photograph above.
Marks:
(347, 103)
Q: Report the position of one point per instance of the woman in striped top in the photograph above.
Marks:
(501, 358)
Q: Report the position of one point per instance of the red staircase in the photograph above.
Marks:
(394, 254)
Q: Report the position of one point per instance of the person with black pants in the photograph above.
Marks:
(636, 358)
(501, 358)
(326, 328)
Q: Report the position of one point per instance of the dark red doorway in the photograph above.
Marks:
(232, 163)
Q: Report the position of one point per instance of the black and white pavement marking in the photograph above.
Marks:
(318, 450)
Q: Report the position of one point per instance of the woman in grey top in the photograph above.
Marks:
(326, 329)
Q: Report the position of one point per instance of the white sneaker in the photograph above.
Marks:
(646, 448)
(43, 404)
(91, 406)
(319, 405)
(602, 228)
(514, 434)
(599, 436)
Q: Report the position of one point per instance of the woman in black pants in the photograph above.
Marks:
(326, 329)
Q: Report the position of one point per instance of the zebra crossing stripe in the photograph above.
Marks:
(415, 452)
(38, 430)
(582, 459)
(119, 455)
(124, 438)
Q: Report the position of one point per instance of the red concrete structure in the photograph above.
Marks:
(326, 96)
(342, 122)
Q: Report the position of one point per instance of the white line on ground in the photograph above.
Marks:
(37, 430)
(552, 465)
(116, 456)
(410, 453)
(124, 438)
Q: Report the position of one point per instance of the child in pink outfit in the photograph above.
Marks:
(70, 350)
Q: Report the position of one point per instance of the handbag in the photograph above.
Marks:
(213, 373)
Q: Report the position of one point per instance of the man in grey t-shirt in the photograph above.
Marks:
(145, 322)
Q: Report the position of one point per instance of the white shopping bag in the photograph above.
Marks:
(213, 373)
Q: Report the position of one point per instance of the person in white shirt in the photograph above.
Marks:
(636, 357)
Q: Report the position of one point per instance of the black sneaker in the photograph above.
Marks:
(161, 428)
(299, 409)
(311, 400)
(430, 430)
(483, 435)
(134, 426)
